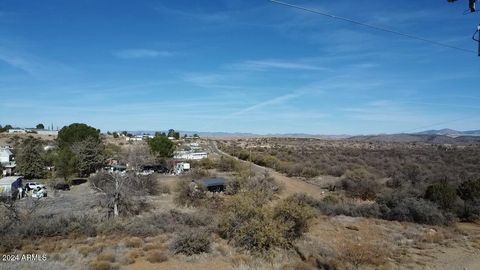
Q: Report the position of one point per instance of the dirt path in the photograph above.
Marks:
(464, 256)
(292, 185)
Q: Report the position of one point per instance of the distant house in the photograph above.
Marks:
(190, 155)
(41, 131)
(7, 161)
(6, 156)
(17, 131)
(136, 138)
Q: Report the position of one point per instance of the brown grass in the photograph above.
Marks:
(134, 242)
(298, 265)
(103, 265)
(156, 256)
(106, 256)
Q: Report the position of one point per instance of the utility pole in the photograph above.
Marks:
(472, 9)
(477, 39)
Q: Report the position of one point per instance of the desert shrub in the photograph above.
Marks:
(163, 188)
(419, 211)
(226, 164)
(469, 192)
(336, 170)
(205, 163)
(148, 183)
(249, 225)
(471, 210)
(191, 242)
(167, 222)
(294, 215)
(198, 173)
(156, 256)
(360, 183)
(265, 186)
(330, 199)
(309, 172)
(134, 242)
(234, 185)
(442, 193)
(368, 210)
(103, 265)
(108, 257)
(189, 193)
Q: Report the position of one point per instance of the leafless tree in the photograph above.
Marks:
(123, 192)
(137, 155)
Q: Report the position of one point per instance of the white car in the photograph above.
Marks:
(39, 192)
(33, 185)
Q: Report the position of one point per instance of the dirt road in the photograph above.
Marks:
(292, 185)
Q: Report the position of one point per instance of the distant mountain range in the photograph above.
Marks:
(450, 132)
(440, 136)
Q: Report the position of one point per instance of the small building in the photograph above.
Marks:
(17, 131)
(214, 184)
(182, 167)
(11, 185)
(6, 156)
(190, 155)
(46, 132)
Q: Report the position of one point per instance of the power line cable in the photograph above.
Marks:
(378, 28)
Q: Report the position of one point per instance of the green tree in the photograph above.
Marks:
(76, 132)
(171, 133)
(195, 135)
(30, 162)
(65, 163)
(161, 146)
(469, 190)
(115, 135)
(40, 126)
(80, 150)
(441, 193)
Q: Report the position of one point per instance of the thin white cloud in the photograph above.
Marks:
(34, 66)
(274, 101)
(262, 65)
(141, 53)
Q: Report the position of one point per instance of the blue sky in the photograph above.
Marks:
(238, 66)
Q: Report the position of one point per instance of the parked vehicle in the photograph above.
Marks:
(33, 185)
(61, 186)
(39, 192)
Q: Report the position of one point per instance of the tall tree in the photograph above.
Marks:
(65, 163)
(171, 133)
(89, 154)
(161, 146)
(76, 133)
(40, 126)
(80, 146)
(30, 162)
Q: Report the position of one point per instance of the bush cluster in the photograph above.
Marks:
(191, 242)
(259, 227)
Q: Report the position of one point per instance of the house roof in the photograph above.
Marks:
(5, 152)
(9, 180)
(213, 182)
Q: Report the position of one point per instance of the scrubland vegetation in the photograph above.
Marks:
(386, 200)
(429, 184)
